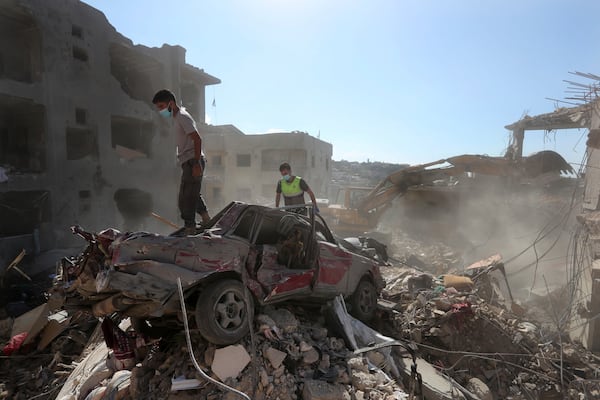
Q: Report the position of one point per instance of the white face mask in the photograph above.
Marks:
(287, 177)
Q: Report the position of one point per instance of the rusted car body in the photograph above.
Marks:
(249, 254)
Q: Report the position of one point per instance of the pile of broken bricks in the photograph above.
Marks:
(472, 342)
(469, 327)
(294, 356)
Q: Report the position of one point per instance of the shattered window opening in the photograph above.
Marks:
(80, 54)
(20, 46)
(138, 73)
(77, 31)
(81, 143)
(132, 138)
(22, 134)
(22, 211)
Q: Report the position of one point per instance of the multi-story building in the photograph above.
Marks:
(81, 143)
(246, 167)
(77, 127)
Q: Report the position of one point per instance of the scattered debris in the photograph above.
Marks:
(440, 332)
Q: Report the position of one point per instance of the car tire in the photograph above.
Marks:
(222, 312)
(363, 302)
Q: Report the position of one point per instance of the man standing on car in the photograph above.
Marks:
(190, 156)
(293, 188)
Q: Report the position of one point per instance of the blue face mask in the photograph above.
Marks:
(165, 112)
(287, 177)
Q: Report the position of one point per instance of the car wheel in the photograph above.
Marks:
(363, 302)
(222, 312)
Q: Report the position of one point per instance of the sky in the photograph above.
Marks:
(399, 81)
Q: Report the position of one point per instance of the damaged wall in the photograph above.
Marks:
(588, 307)
(76, 119)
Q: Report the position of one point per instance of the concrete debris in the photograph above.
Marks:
(446, 335)
(275, 357)
(479, 389)
(319, 390)
(185, 384)
(229, 361)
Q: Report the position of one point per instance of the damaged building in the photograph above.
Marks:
(77, 128)
(80, 142)
(582, 284)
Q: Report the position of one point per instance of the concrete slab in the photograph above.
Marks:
(230, 361)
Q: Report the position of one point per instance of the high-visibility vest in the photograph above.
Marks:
(291, 189)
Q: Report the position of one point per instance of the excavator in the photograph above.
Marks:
(439, 185)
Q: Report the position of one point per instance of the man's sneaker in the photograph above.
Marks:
(189, 230)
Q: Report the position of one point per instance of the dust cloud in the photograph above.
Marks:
(531, 227)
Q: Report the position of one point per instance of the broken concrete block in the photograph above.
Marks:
(325, 362)
(443, 303)
(435, 384)
(305, 346)
(319, 333)
(458, 282)
(319, 390)
(264, 378)
(363, 380)
(311, 356)
(376, 358)
(275, 357)
(57, 323)
(284, 319)
(358, 364)
(479, 389)
(184, 384)
(230, 361)
(31, 322)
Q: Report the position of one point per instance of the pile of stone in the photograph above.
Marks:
(470, 328)
(39, 352)
(290, 355)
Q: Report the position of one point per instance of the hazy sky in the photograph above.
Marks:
(385, 80)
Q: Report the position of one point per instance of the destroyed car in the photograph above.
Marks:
(248, 255)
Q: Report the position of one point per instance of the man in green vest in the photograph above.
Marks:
(293, 188)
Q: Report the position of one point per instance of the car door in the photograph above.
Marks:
(280, 282)
(333, 264)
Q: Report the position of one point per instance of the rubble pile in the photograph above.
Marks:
(434, 256)
(470, 328)
(294, 356)
(466, 328)
(38, 367)
(450, 333)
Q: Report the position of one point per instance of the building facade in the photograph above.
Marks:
(246, 167)
(80, 141)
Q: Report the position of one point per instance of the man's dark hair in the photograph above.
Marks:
(163, 96)
(284, 166)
